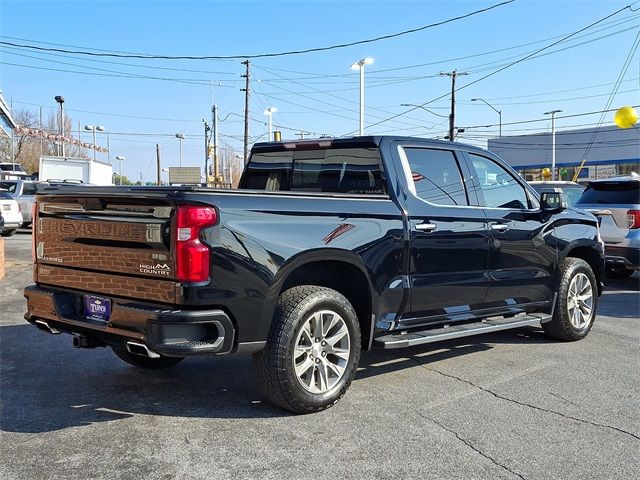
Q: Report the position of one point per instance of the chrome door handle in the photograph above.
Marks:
(500, 227)
(429, 227)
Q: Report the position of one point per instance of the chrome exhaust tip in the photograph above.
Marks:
(45, 327)
(141, 349)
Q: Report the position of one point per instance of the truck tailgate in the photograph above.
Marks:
(107, 245)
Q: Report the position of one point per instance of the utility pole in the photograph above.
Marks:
(452, 116)
(207, 129)
(42, 134)
(159, 172)
(216, 165)
(301, 134)
(246, 76)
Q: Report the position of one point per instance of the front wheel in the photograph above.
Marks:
(312, 352)
(575, 308)
(145, 362)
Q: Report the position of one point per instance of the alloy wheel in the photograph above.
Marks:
(322, 350)
(580, 301)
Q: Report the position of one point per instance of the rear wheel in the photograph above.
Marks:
(8, 233)
(312, 352)
(575, 308)
(619, 273)
(145, 362)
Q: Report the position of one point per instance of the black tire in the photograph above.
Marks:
(276, 373)
(561, 326)
(8, 233)
(619, 273)
(146, 362)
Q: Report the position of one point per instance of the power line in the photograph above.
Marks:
(522, 59)
(487, 66)
(515, 47)
(134, 65)
(545, 119)
(261, 55)
(497, 99)
(621, 75)
(192, 82)
(375, 74)
(554, 100)
(315, 90)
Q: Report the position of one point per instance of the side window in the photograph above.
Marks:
(29, 189)
(436, 176)
(499, 188)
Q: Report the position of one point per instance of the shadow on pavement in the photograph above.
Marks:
(626, 305)
(46, 385)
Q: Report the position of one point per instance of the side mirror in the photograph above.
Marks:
(552, 201)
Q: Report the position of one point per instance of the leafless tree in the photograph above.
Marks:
(27, 149)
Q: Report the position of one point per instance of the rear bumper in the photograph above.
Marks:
(622, 257)
(168, 332)
(10, 225)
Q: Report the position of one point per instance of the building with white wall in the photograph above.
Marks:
(609, 151)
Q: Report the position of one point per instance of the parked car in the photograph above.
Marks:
(12, 171)
(329, 247)
(571, 191)
(24, 192)
(10, 214)
(616, 203)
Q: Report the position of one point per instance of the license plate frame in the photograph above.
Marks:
(97, 309)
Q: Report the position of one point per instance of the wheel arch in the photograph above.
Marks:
(339, 270)
(590, 254)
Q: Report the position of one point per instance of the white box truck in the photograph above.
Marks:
(84, 170)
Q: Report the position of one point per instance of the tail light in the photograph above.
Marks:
(192, 257)
(633, 217)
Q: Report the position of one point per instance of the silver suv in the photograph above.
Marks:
(616, 203)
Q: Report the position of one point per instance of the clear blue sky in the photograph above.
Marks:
(315, 92)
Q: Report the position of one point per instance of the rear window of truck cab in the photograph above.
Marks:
(335, 170)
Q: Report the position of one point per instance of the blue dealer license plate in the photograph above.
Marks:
(97, 308)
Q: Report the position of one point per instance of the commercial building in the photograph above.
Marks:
(6, 121)
(609, 151)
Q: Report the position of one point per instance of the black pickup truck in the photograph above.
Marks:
(329, 247)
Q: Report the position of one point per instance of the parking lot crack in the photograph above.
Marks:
(564, 399)
(468, 444)
(528, 405)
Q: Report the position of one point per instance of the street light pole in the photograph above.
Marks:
(359, 65)
(493, 108)
(553, 141)
(93, 128)
(180, 136)
(60, 100)
(120, 159)
(269, 113)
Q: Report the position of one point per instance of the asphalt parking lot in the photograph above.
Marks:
(507, 405)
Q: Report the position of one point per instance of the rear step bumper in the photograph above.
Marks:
(409, 339)
(168, 332)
